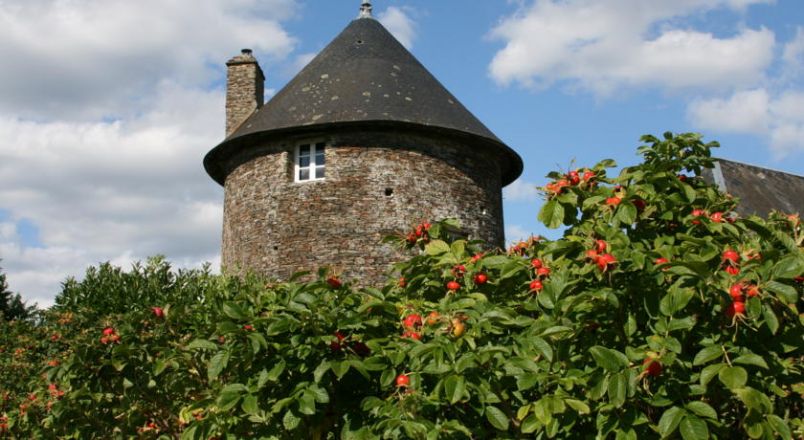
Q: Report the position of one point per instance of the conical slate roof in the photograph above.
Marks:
(363, 77)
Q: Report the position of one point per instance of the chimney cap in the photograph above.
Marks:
(365, 9)
(245, 51)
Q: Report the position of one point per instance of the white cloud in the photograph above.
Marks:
(515, 233)
(87, 59)
(108, 109)
(521, 191)
(399, 24)
(605, 45)
(793, 55)
(743, 112)
(776, 117)
(100, 190)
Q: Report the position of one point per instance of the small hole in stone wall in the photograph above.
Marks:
(359, 41)
(389, 191)
(276, 248)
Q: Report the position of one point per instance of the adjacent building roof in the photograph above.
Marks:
(760, 190)
(364, 76)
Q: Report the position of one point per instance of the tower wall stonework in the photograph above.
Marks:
(377, 183)
(245, 92)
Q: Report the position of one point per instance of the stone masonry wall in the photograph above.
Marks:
(376, 184)
(244, 89)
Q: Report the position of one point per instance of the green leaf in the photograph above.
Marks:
(522, 412)
(234, 311)
(497, 418)
(630, 325)
(626, 213)
(320, 394)
(733, 377)
(780, 426)
(689, 192)
(605, 163)
(527, 381)
(229, 396)
(458, 248)
(160, 366)
(617, 389)
(436, 247)
(709, 372)
(592, 202)
(290, 421)
(552, 214)
(249, 404)
(307, 403)
(278, 326)
(556, 329)
(681, 324)
(201, 344)
(693, 428)
(608, 359)
(786, 240)
(340, 368)
(599, 389)
(217, 364)
(751, 359)
(189, 433)
(707, 354)
(702, 409)
(257, 342)
(276, 371)
(577, 405)
(320, 370)
(454, 387)
(542, 411)
(262, 379)
(670, 420)
(530, 424)
(675, 301)
(787, 293)
(788, 267)
(770, 318)
(495, 261)
(754, 399)
(543, 347)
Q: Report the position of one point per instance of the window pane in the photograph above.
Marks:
(319, 172)
(319, 154)
(304, 150)
(304, 174)
(304, 161)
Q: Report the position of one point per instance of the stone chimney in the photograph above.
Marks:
(244, 89)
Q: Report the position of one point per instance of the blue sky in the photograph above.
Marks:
(109, 106)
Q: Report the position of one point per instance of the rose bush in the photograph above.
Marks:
(660, 313)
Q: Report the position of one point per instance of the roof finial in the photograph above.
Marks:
(365, 9)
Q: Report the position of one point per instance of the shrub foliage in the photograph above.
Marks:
(659, 314)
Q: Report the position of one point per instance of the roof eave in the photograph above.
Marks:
(512, 164)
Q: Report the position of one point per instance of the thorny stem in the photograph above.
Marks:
(726, 355)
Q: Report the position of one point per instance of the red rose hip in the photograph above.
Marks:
(402, 381)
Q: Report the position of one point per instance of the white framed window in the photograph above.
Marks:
(310, 161)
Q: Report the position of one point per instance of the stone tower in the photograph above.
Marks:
(362, 143)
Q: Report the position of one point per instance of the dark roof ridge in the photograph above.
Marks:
(757, 166)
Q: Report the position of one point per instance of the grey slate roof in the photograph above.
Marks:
(760, 190)
(365, 76)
